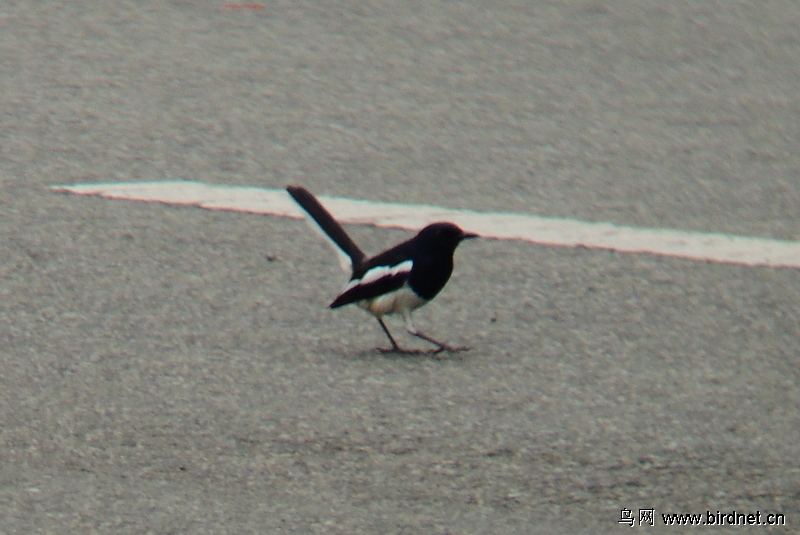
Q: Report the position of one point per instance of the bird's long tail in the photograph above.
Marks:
(327, 224)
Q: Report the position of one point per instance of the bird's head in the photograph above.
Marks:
(443, 236)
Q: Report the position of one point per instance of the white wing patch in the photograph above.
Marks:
(379, 272)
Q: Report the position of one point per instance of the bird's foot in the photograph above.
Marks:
(441, 351)
(402, 351)
(451, 349)
(441, 347)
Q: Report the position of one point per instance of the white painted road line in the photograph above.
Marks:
(542, 230)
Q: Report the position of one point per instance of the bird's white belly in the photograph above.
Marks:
(395, 302)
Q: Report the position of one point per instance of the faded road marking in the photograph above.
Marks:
(542, 230)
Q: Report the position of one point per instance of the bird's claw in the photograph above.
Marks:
(438, 352)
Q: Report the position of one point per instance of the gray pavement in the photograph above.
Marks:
(175, 370)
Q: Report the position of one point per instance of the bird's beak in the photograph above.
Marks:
(470, 235)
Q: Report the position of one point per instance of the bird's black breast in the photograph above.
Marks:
(430, 274)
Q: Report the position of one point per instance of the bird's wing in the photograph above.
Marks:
(375, 281)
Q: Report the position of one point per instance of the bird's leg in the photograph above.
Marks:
(395, 347)
(441, 346)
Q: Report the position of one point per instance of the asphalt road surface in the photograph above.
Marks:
(176, 370)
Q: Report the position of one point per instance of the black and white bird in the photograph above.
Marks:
(396, 281)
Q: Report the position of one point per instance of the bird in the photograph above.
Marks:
(397, 281)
